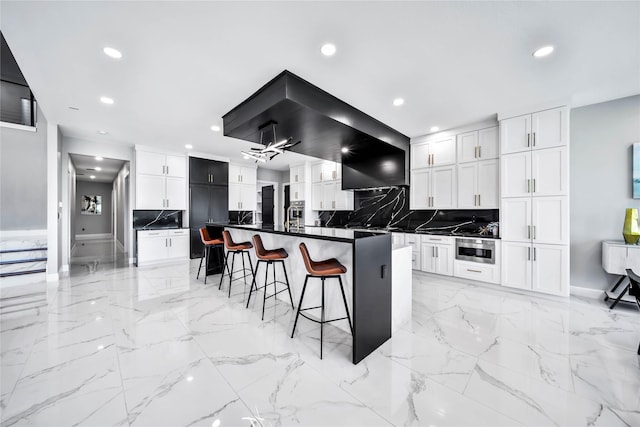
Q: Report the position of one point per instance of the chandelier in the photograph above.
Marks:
(272, 148)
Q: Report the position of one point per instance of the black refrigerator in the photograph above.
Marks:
(208, 197)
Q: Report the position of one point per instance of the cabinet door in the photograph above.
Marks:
(296, 174)
(550, 128)
(219, 172)
(344, 198)
(515, 175)
(317, 196)
(150, 192)
(549, 220)
(428, 253)
(297, 192)
(443, 151)
(235, 196)
(515, 219)
(150, 163)
(516, 265)
(316, 172)
(152, 247)
(235, 174)
(443, 262)
(176, 193)
(199, 171)
(515, 134)
(176, 166)
(467, 189)
(199, 205)
(487, 184)
(249, 175)
(178, 244)
(467, 147)
(443, 188)
(419, 155)
(329, 196)
(488, 143)
(419, 196)
(330, 171)
(550, 269)
(549, 172)
(218, 203)
(248, 197)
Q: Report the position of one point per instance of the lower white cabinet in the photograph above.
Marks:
(437, 254)
(156, 246)
(540, 268)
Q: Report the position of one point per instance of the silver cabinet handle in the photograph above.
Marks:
(528, 232)
(528, 254)
(479, 151)
(333, 204)
(534, 144)
(433, 251)
(479, 200)
(534, 254)
(534, 185)
(534, 233)
(528, 140)
(170, 243)
(437, 252)
(474, 271)
(167, 169)
(320, 176)
(320, 204)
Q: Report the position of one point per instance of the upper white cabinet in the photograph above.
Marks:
(242, 174)
(297, 183)
(433, 188)
(536, 220)
(478, 185)
(160, 181)
(242, 188)
(326, 171)
(478, 145)
(435, 152)
(543, 129)
(536, 173)
(326, 188)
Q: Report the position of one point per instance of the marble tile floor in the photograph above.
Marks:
(121, 345)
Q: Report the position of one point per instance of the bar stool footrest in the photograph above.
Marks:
(319, 321)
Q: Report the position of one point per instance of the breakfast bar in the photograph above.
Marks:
(367, 283)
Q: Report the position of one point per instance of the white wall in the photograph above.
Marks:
(93, 224)
(121, 206)
(601, 140)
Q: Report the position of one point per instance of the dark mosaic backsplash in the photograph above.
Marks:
(156, 219)
(241, 217)
(389, 208)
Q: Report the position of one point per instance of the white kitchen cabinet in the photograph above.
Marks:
(414, 241)
(317, 196)
(535, 173)
(329, 196)
(437, 255)
(242, 197)
(539, 268)
(618, 256)
(158, 246)
(543, 129)
(160, 181)
(242, 174)
(433, 188)
(297, 183)
(478, 185)
(325, 171)
(536, 220)
(477, 145)
(344, 198)
(489, 273)
(435, 152)
(397, 238)
(296, 192)
(296, 174)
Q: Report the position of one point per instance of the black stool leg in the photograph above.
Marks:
(244, 269)
(233, 263)
(346, 307)
(304, 288)
(250, 264)
(253, 283)
(204, 248)
(321, 317)
(264, 289)
(226, 265)
(286, 279)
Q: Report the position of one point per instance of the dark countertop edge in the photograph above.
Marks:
(160, 228)
(299, 233)
(427, 233)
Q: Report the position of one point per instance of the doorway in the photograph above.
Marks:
(287, 202)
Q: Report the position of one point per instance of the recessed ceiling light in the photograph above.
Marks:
(98, 168)
(543, 51)
(103, 132)
(188, 146)
(98, 158)
(190, 378)
(100, 347)
(245, 157)
(328, 49)
(114, 53)
(106, 100)
(398, 102)
(92, 177)
(345, 150)
(435, 129)
(215, 128)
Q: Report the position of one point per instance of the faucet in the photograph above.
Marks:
(297, 220)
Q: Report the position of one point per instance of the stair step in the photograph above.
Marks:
(10, 251)
(22, 273)
(22, 261)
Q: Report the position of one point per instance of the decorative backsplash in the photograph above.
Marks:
(241, 217)
(157, 219)
(389, 208)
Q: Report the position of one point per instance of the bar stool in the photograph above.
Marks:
(235, 248)
(209, 244)
(327, 269)
(269, 257)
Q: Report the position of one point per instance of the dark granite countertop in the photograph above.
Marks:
(323, 233)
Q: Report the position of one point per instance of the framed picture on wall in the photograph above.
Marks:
(636, 170)
(91, 205)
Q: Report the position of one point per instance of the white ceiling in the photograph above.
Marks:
(186, 64)
(86, 166)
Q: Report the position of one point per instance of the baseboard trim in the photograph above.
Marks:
(120, 245)
(94, 236)
(22, 233)
(586, 292)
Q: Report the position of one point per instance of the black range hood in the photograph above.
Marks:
(378, 155)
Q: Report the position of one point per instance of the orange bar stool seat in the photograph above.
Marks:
(269, 257)
(209, 244)
(235, 249)
(327, 269)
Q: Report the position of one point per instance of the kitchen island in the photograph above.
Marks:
(367, 282)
